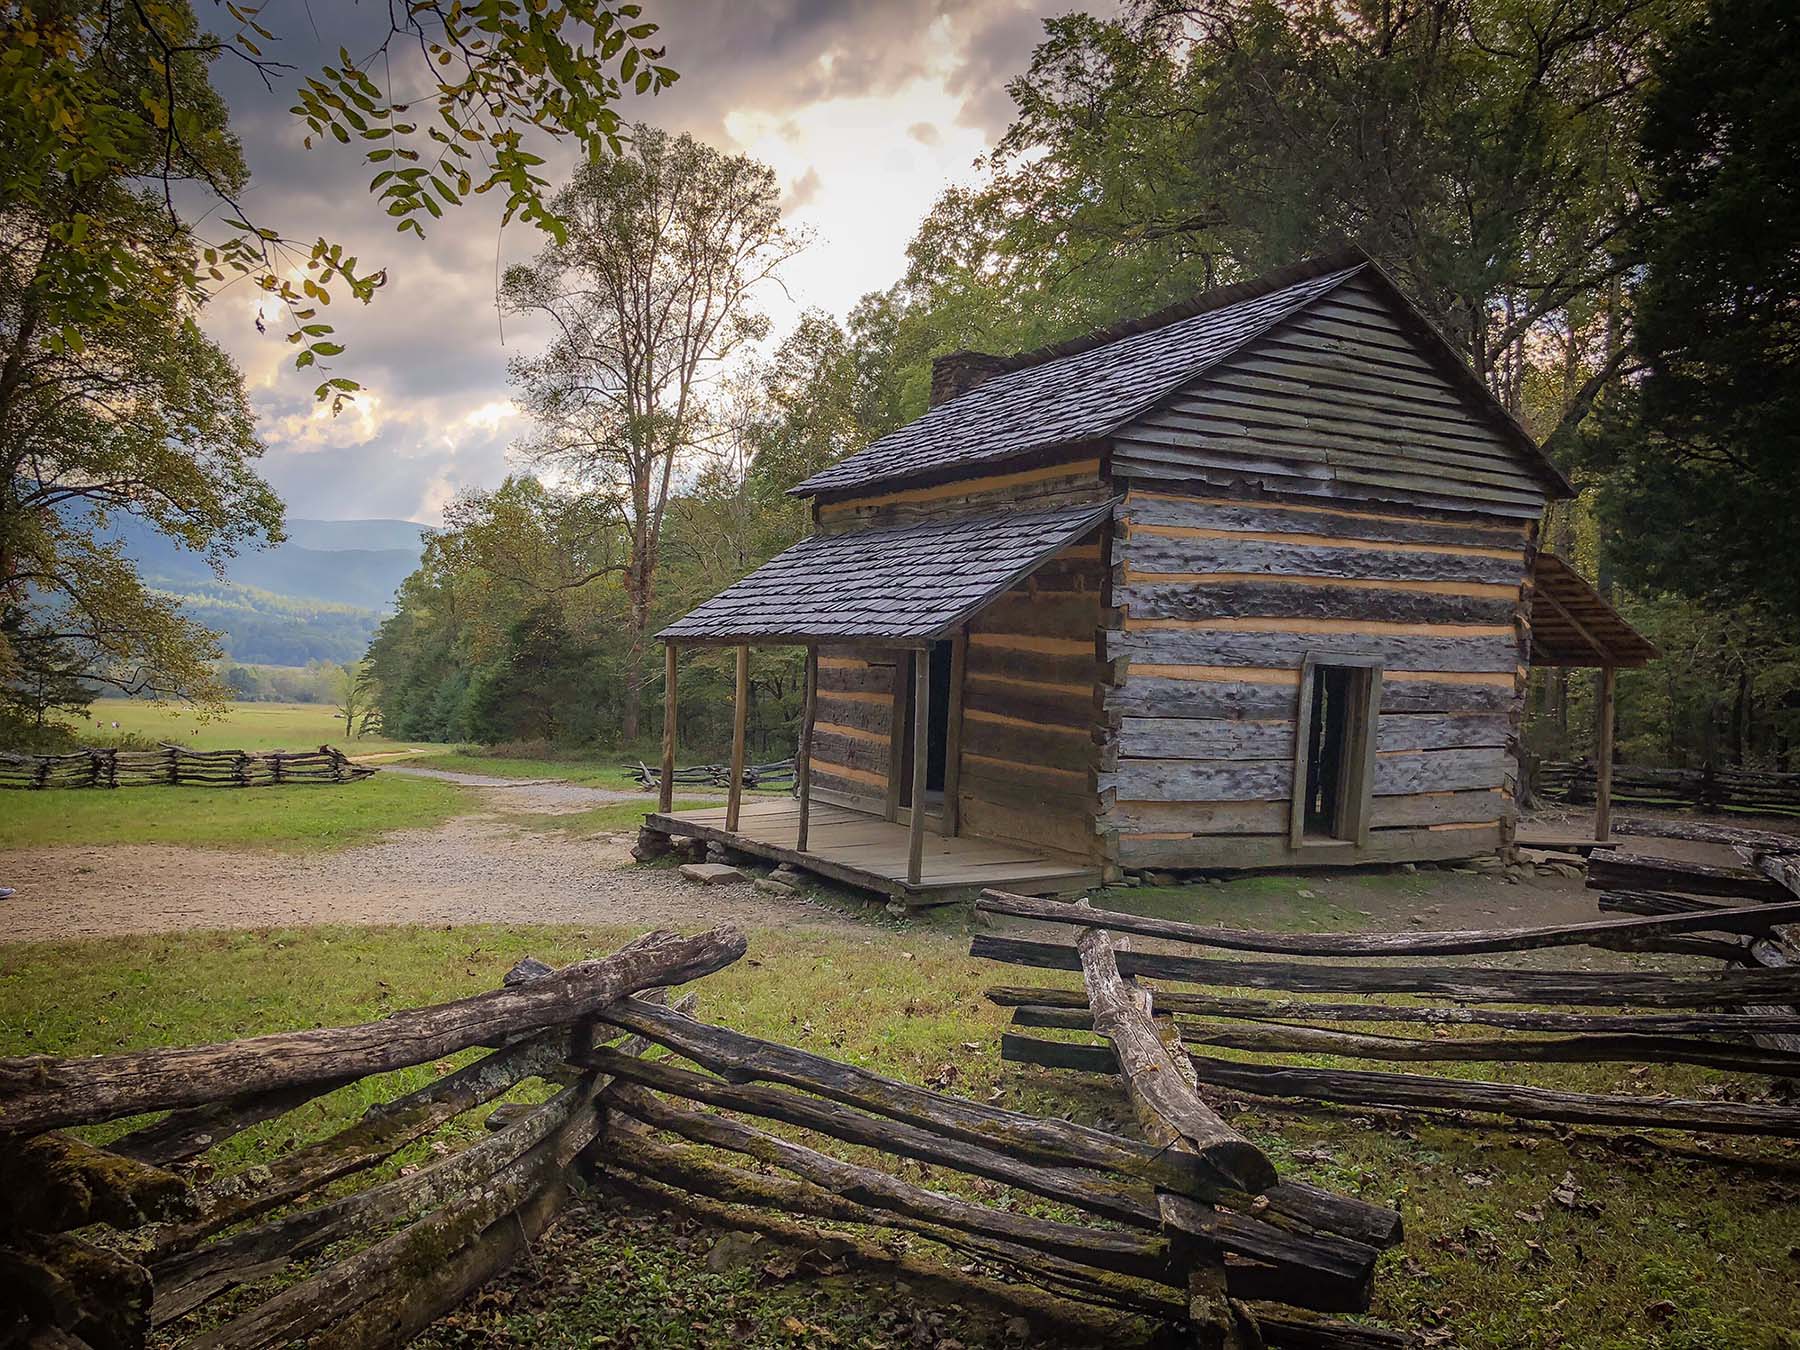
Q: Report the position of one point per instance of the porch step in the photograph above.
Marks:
(711, 874)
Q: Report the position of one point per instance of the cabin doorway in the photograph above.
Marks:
(1334, 759)
(937, 742)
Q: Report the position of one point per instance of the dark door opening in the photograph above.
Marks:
(937, 735)
(1327, 752)
(1333, 762)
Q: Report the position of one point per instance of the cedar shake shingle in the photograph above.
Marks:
(891, 583)
(1069, 399)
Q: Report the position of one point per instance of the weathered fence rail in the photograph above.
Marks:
(774, 775)
(1706, 789)
(1750, 927)
(177, 766)
(1189, 1224)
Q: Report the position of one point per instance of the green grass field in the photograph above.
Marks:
(243, 726)
(301, 817)
(606, 773)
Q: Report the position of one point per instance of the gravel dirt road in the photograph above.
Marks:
(478, 868)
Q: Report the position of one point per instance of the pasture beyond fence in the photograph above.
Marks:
(177, 766)
(1574, 783)
(1201, 1234)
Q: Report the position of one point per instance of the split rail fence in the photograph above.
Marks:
(774, 775)
(105, 1246)
(177, 766)
(1738, 1020)
(1707, 789)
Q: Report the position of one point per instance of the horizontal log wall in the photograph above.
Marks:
(1337, 403)
(853, 725)
(1072, 480)
(1220, 601)
(1028, 757)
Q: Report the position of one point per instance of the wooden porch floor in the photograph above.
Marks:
(866, 851)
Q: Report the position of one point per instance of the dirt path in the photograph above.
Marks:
(542, 796)
(496, 866)
(479, 868)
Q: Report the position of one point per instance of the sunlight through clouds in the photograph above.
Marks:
(866, 110)
(875, 182)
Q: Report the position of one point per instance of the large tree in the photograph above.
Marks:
(440, 663)
(1481, 151)
(1703, 457)
(123, 211)
(650, 294)
(114, 403)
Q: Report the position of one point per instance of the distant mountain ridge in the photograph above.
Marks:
(378, 535)
(318, 596)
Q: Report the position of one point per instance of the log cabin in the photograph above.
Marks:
(1251, 582)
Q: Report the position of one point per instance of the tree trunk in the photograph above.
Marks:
(1740, 717)
(638, 575)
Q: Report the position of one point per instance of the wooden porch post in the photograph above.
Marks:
(959, 655)
(1603, 786)
(915, 838)
(890, 799)
(665, 792)
(803, 768)
(740, 712)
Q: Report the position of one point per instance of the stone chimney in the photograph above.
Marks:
(960, 372)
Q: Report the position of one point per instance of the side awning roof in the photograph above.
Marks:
(900, 583)
(1573, 625)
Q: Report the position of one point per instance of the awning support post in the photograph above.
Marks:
(959, 652)
(803, 767)
(921, 765)
(740, 712)
(665, 791)
(1609, 676)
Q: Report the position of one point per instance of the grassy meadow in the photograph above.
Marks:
(1517, 1236)
(243, 726)
(603, 772)
(297, 818)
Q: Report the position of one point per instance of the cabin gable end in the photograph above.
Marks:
(1347, 399)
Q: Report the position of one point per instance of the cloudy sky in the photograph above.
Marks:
(865, 109)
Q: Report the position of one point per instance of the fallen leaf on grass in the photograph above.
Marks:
(1569, 1195)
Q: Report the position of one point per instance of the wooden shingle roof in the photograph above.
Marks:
(901, 583)
(1069, 398)
(1573, 625)
(1089, 387)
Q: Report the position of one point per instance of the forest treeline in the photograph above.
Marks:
(1593, 201)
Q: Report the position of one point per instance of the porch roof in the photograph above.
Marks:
(901, 584)
(1573, 625)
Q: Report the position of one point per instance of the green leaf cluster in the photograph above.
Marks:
(123, 212)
